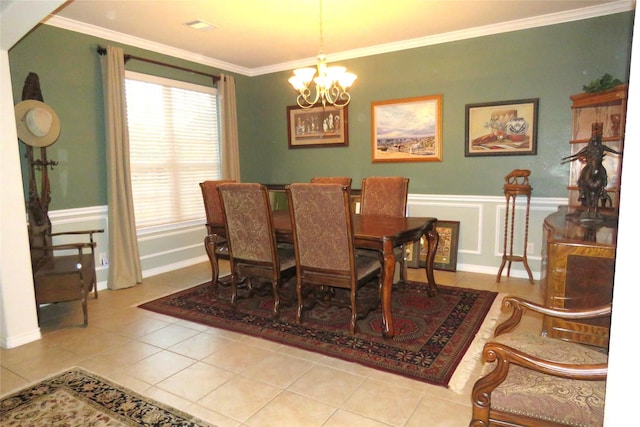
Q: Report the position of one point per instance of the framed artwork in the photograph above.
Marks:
(317, 126)
(411, 251)
(407, 130)
(447, 250)
(501, 128)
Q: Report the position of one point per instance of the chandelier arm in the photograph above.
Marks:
(341, 99)
(332, 94)
(303, 99)
(344, 96)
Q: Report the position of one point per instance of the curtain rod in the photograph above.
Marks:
(103, 51)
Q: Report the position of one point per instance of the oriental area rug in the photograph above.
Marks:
(432, 334)
(78, 398)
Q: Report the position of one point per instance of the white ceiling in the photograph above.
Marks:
(260, 36)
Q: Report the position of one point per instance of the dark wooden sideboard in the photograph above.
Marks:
(578, 263)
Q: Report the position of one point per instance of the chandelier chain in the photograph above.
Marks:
(321, 30)
(332, 83)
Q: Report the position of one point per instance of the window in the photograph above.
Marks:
(174, 145)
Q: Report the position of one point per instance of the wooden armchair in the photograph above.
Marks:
(532, 380)
(323, 242)
(59, 276)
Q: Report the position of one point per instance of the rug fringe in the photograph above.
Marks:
(472, 357)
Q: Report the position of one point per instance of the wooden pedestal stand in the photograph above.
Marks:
(517, 184)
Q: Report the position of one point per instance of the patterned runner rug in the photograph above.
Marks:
(432, 334)
(78, 398)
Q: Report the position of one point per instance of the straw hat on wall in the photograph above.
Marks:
(37, 124)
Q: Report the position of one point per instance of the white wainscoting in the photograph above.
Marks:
(162, 249)
(481, 238)
(480, 245)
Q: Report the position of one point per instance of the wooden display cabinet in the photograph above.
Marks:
(577, 272)
(609, 108)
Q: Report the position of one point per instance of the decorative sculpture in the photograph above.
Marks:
(593, 179)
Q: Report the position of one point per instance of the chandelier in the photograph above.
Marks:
(331, 82)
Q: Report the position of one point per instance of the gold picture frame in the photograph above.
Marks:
(446, 257)
(407, 130)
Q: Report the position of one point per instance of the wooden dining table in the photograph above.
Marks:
(380, 233)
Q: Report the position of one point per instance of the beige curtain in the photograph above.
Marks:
(124, 258)
(229, 120)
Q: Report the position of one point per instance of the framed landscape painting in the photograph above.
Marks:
(501, 128)
(407, 130)
(317, 126)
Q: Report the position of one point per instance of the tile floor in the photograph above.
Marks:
(229, 379)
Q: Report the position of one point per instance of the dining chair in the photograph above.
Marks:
(251, 239)
(323, 241)
(342, 180)
(387, 196)
(213, 240)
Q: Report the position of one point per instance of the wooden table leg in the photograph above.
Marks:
(388, 330)
(210, 246)
(432, 239)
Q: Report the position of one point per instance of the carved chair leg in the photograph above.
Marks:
(354, 312)
(209, 245)
(300, 301)
(276, 296)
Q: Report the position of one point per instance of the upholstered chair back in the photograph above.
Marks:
(248, 223)
(342, 180)
(384, 195)
(211, 198)
(322, 225)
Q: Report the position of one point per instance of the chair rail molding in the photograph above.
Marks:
(482, 227)
(165, 249)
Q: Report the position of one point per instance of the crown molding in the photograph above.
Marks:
(521, 24)
(126, 39)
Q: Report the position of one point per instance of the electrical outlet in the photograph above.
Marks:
(530, 247)
(104, 259)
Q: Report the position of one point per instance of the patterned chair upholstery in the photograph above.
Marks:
(386, 195)
(323, 242)
(532, 380)
(214, 243)
(342, 180)
(251, 238)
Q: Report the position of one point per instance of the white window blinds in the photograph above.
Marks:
(174, 145)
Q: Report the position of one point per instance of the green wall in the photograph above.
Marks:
(550, 63)
(68, 68)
